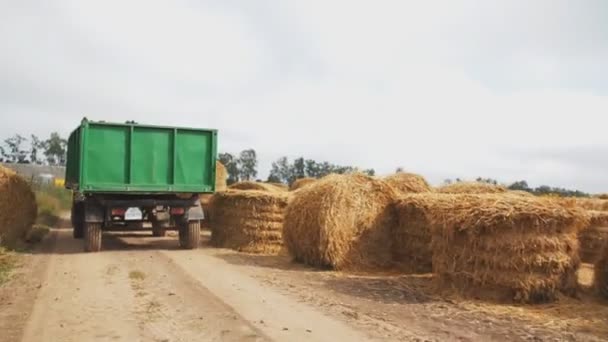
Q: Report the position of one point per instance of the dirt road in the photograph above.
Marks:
(141, 288)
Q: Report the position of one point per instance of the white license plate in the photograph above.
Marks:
(133, 214)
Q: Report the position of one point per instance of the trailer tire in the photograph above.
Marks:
(92, 237)
(189, 234)
(158, 230)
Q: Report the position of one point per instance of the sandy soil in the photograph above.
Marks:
(141, 288)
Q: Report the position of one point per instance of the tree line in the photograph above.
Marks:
(21, 150)
(243, 167)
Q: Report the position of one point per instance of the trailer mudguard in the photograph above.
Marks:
(93, 212)
(196, 213)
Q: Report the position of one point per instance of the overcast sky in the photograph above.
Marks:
(504, 89)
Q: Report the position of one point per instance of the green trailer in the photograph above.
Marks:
(123, 175)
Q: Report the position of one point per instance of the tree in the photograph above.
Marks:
(399, 170)
(312, 168)
(55, 149)
(248, 164)
(15, 154)
(299, 168)
(370, 172)
(232, 167)
(280, 171)
(520, 185)
(36, 145)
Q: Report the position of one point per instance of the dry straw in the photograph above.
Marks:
(341, 222)
(471, 188)
(502, 246)
(594, 236)
(248, 221)
(600, 279)
(17, 206)
(221, 175)
(411, 245)
(406, 183)
(257, 186)
(596, 204)
(301, 182)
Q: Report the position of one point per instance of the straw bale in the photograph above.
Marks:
(17, 206)
(301, 182)
(406, 183)
(411, 235)
(248, 221)
(279, 186)
(221, 176)
(341, 222)
(596, 204)
(594, 236)
(502, 246)
(256, 186)
(520, 193)
(471, 188)
(600, 278)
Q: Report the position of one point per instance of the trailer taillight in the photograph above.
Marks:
(177, 211)
(118, 211)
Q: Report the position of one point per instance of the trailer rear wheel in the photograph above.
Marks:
(158, 229)
(189, 234)
(92, 237)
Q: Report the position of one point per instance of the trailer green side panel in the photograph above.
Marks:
(132, 158)
(106, 156)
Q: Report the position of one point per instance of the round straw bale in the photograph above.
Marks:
(301, 182)
(600, 279)
(505, 247)
(471, 188)
(258, 186)
(248, 221)
(406, 183)
(341, 222)
(17, 206)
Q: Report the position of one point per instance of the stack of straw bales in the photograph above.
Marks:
(301, 182)
(17, 206)
(406, 183)
(248, 221)
(256, 186)
(501, 246)
(594, 236)
(341, 222)
(600, 278)
(471, 188)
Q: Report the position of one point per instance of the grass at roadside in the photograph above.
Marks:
(51, 201)
(7, 263)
